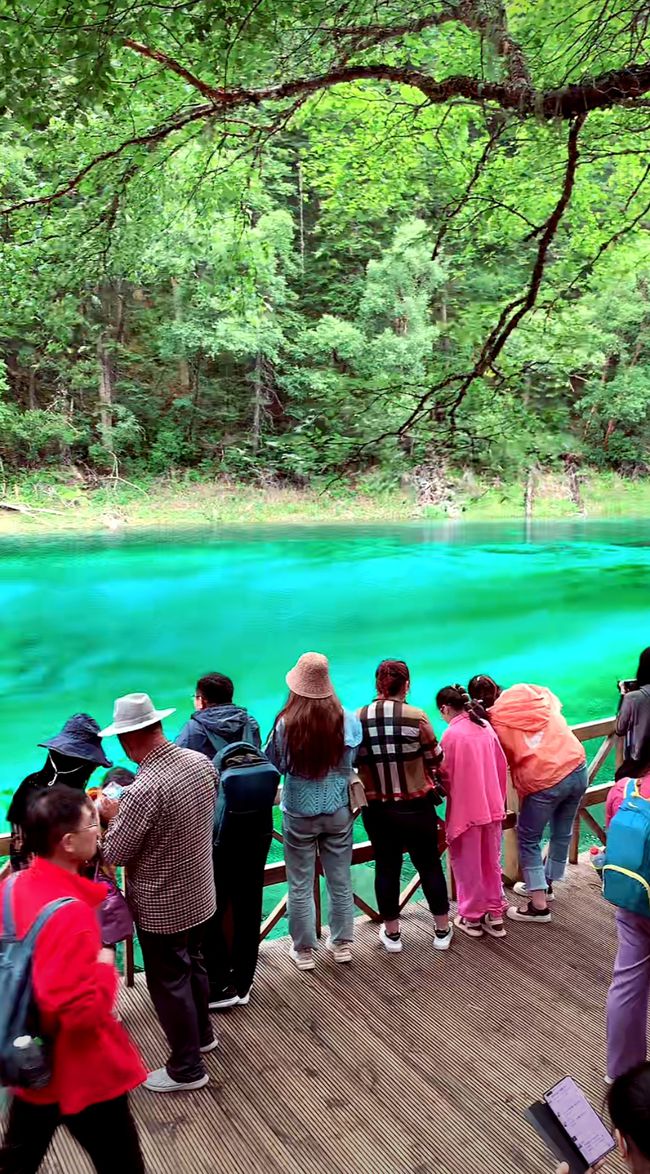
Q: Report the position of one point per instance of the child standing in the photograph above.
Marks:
(474, 773)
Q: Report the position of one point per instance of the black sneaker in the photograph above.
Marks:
(223, 999)
(529, 913)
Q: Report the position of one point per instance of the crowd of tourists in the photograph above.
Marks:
(193, 827)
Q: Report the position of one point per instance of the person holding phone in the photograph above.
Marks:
(633, 720)
(629, 1109)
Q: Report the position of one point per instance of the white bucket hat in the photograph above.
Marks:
(136, 711)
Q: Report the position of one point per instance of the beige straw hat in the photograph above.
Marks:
(310, 677)
(133, 712)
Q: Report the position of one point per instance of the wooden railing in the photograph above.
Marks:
(362, 853)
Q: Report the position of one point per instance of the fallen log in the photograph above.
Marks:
(19, 508)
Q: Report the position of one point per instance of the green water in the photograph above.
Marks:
(84, 620)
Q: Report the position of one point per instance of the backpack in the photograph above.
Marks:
(248, 784)
(626, 870)
(218, 741)
(24, 1057)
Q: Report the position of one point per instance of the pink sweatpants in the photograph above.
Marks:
(476, 862)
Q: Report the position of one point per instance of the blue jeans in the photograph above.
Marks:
(557, 806)
(332, 836)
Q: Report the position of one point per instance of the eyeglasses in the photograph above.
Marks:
(90, 827)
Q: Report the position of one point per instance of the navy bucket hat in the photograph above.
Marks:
(79, 738)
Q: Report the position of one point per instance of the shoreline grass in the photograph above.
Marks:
(52, 504)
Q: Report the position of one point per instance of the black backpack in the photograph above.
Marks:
(248, 784)
(24, 1056)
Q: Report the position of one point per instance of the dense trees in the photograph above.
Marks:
(317, 237)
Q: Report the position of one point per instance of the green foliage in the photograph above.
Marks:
(282, 312)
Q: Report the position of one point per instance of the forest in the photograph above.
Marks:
(296, 239)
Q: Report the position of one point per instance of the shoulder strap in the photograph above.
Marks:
(8, 923)
(44, 915)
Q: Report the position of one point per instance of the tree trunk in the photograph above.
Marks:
(301, 213)
(105, 392)
(529, 497)
(31, 389)
(258, 402)
(184, 377)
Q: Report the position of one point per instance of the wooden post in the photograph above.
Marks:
(129, 962)
(511, 867)
(317, 900)
(575, 840)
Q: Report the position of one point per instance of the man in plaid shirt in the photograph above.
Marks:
(161, 828)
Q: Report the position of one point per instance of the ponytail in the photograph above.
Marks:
(458, 699)
(391, 678)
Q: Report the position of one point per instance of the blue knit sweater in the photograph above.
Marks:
(316, 796)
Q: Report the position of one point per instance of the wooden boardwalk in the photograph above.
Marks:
(415, 1062)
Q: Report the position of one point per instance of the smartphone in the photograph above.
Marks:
(627, 686)
(571, 1128)
(113, 791)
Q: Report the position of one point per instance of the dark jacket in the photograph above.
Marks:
(222, 721)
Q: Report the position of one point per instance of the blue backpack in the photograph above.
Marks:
(626, 870)
(248, 784)
(24, 1056)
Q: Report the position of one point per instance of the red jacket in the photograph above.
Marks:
(94, 1059)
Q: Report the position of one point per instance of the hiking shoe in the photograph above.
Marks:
(473, 929)
(390, 941)
(214, 1043)
(442, 938)
(303, 959)
(161, 1081)
(529, 913)
(340, 950)
(493, 925)
(521, 890)
(225, 998)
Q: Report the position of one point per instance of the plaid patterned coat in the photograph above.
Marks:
(400, 754)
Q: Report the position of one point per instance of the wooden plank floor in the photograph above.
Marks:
(416, 1062)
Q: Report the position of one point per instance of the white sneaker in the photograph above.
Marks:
(214, 1043)
(161, 1081)
(303, 959)
(393, 945)
(443, 943)
(521, 890)
(340, 950)
(244, 1000)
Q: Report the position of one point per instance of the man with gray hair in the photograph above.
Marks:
(161, 828)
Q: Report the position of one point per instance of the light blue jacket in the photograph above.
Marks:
(316, 796)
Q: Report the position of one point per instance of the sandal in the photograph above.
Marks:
(473, 929)
(493, 926)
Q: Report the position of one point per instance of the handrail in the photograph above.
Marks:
(362, 853)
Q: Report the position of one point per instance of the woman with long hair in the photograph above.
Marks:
(398, 763)
(313, 744)
(474, 774)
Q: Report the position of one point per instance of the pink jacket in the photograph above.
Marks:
(617, 795)
(473, 773)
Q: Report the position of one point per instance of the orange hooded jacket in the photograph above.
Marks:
(539, 745)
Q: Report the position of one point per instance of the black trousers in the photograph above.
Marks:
(106, 1131)
(178, 985)
(408, 826)
(232, 936)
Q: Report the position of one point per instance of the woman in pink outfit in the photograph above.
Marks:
(473, 773)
